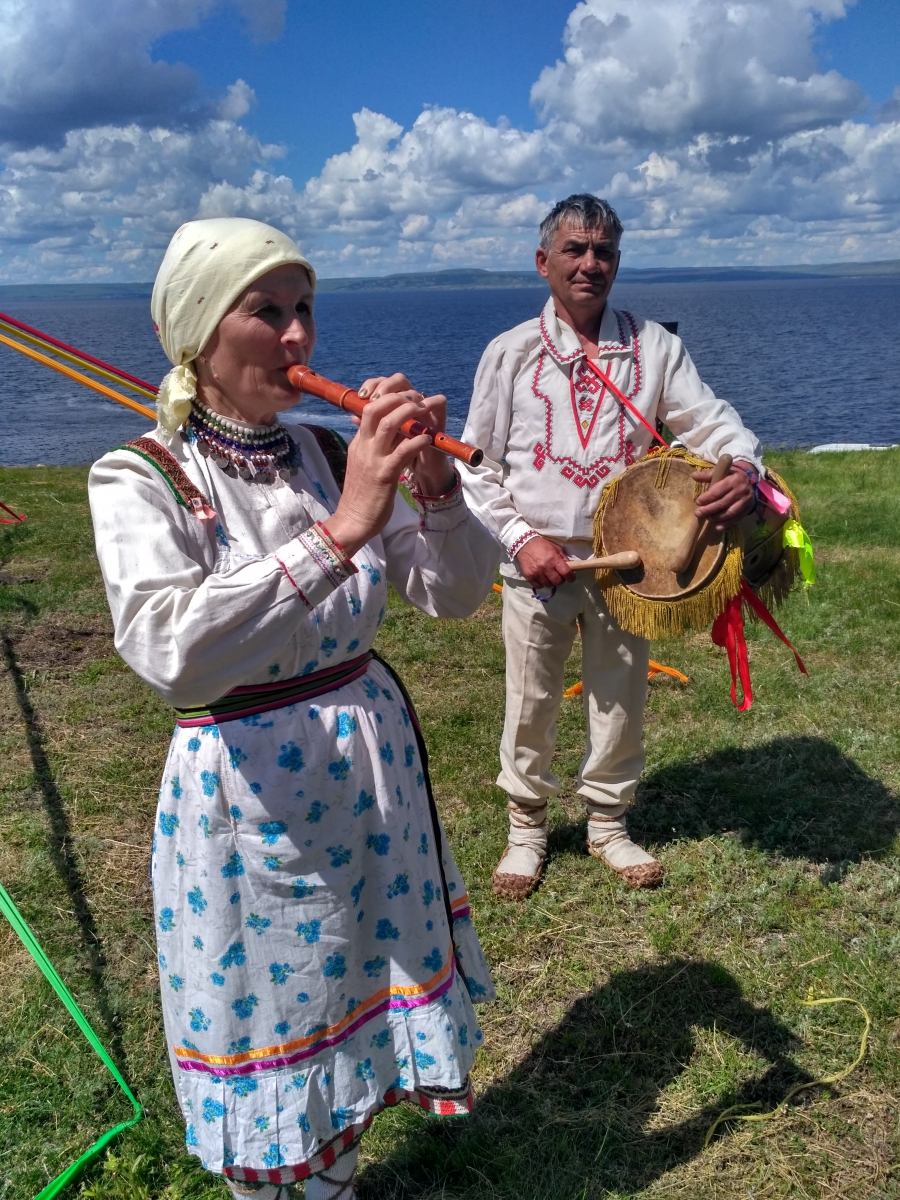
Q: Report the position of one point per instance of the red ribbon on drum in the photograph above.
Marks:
(728, 632)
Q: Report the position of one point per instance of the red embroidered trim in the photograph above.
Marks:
(293, 581)
(332, 561)
(581, 475)
(622, 343)
(520, 542)
(186, 493)
(619, 395)
(584, 397)
(450, 1104)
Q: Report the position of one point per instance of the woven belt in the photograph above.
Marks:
(260, 698)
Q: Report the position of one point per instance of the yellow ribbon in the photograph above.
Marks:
(795, 535)
(735, 1114)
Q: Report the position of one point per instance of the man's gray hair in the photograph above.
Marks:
(584, 211)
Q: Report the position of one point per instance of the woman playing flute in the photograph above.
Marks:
(316, 957)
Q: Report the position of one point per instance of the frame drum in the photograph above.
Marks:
(651, 512)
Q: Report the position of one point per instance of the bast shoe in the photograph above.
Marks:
(608, 840)
(513, 885)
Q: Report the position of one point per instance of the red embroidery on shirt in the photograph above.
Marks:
(621, 344)
(586, 392)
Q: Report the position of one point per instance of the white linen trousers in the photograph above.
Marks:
(538, 636)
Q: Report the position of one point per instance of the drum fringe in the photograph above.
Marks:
(654, 619)
(780, 583)
(664, 461)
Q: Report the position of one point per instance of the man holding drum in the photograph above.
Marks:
(553, 435)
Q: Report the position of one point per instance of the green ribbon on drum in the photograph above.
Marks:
(795, 536)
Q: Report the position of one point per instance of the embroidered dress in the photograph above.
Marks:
(307, 969)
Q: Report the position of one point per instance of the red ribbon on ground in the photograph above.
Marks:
(728, 632)
(13, 518)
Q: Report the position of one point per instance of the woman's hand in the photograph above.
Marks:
(379, 454)
(433, 470)
(727, 501)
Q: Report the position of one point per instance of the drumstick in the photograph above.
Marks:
(306, 380)
(683, 556)
(626, 560)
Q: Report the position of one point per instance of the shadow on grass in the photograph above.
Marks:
(62, 851)
(574, 1119)
(11, 538)
(796, 796)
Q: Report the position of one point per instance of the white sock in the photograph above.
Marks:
(257, 1191)
(609, 835)
(333, 1182)
(527, 840)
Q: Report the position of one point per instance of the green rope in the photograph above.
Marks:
(34, 948)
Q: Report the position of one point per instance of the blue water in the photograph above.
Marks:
(803, 361)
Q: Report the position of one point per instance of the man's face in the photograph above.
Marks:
(580, 266)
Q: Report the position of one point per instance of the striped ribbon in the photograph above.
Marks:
(259, 698)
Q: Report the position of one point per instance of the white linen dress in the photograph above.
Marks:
(307, 970)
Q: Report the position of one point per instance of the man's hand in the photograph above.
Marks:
(729, 500)
(543, 564)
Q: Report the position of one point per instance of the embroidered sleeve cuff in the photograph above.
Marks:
(515, 538)
(315, 564)
(453, 495)
(440, 514)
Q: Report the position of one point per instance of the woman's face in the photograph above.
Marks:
(242, 370)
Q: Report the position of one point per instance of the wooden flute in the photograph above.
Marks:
(304, 379)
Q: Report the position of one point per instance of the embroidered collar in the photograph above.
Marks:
(561, 342)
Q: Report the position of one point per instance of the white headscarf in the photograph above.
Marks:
(206, 267)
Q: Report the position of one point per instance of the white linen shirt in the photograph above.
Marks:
(553, 435)
(201, 607)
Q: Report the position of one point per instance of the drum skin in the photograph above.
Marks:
(654, 520)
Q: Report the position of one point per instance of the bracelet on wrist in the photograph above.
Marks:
(754, 476)
(750, 471)
(417, 493)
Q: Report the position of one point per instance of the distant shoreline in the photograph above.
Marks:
(475, 278)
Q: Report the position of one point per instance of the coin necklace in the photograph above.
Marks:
(255, 453)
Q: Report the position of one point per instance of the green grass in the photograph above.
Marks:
(626, 1021)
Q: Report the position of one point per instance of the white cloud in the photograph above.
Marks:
(415, 224)
(69, 64)
(891, 110)
(432, 167)
(820, 195)
(673, 69)
(451, 175)
(239, 98)
(708, 123)
(107, 202)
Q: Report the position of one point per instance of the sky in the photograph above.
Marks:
(419, 135)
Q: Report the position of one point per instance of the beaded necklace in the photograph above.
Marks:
(256, 453)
